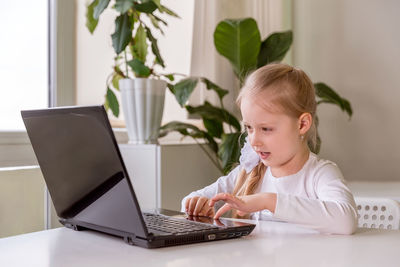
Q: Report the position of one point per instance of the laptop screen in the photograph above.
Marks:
(80, 162)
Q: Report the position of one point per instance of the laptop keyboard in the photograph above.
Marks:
(172, 225)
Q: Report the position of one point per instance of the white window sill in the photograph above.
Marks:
(16, 149)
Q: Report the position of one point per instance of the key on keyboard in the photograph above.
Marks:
(174, 225)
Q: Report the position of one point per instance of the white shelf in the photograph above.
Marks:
(163, 174)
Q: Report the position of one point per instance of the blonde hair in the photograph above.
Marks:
(289, 90)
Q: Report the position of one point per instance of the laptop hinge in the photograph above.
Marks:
(71, 225)
(129, 239)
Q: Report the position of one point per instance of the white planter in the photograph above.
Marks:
(143, 106)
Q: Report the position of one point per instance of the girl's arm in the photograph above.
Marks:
(245, 204)
(333, 211)
(223, 184)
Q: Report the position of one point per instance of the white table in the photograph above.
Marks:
(270, 244)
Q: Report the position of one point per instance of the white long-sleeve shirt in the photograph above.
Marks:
(315, 197)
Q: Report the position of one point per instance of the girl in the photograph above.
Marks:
(278, 177)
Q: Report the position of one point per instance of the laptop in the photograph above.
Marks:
(91, 189)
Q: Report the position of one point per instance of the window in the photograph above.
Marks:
(24, 60)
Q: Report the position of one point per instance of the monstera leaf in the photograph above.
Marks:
(328, 95)
(274, 48)
(239, 41)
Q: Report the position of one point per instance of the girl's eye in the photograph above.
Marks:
(247, 127)
(265, 129)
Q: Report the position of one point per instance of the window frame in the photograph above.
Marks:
(15, 147)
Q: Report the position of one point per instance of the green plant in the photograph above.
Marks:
(131, 40)
(239, 41)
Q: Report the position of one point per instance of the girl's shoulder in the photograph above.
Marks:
(232, 175)
(323, 168)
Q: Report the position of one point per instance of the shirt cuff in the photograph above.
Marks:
(282, 205)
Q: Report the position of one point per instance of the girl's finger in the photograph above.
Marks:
(221, 196)
(192, 205)
(222, 210)
(210, 213)
(241, 213)
(187, 204)
(199, 205)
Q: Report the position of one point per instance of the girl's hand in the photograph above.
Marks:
(244, 204)
(199, 206)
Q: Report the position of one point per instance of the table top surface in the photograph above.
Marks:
(270, 244)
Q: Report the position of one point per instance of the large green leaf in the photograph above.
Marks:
(157, 18)
(188, 130)
(139, 68)
(91, 22)
(183, 128)
(229, 150)
(154, 48)
(274, 48)
(168, 11)
(169, 76)
(328, 95)
(123, 33)
(214, 127)
(171, 88)
(112, 102)
(115, 80)
(140, 47)
(99, 8)
(155, 23)
(347, 107)
(212, 86)
(208, 111)
(183, 89)
(123, 5)
(157, 2)
(239, 41)
(146, 7)
(119, 71)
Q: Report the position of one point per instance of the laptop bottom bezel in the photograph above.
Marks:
(165, 240)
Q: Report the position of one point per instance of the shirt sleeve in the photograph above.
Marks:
(333, 211)
(224, 184)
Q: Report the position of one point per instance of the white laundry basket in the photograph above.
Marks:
(382, 213)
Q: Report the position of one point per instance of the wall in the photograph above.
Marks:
(354, 46)
(21, 201)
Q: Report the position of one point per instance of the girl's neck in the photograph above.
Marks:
(293, 165)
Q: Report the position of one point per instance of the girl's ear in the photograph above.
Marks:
(305, 121)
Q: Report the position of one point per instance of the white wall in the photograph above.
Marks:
(354, 46)
(21, 201)
(94, 53)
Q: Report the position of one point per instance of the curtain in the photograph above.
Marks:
(206, 61)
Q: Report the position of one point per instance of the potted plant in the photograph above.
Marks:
(142, 90)
(239, 41)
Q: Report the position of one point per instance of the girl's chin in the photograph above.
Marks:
(266, 162)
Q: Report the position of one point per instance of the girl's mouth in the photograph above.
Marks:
(264, 155)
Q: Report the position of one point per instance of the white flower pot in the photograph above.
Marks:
(143, 106)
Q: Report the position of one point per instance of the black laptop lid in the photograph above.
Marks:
(83, 169)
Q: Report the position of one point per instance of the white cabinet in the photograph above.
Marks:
(162, 175)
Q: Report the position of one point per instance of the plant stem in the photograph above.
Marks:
(209, 156)
(108, 78)
(126, 64)
(176, 73)
(226, 117)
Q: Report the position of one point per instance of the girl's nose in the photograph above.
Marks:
(255, 140)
